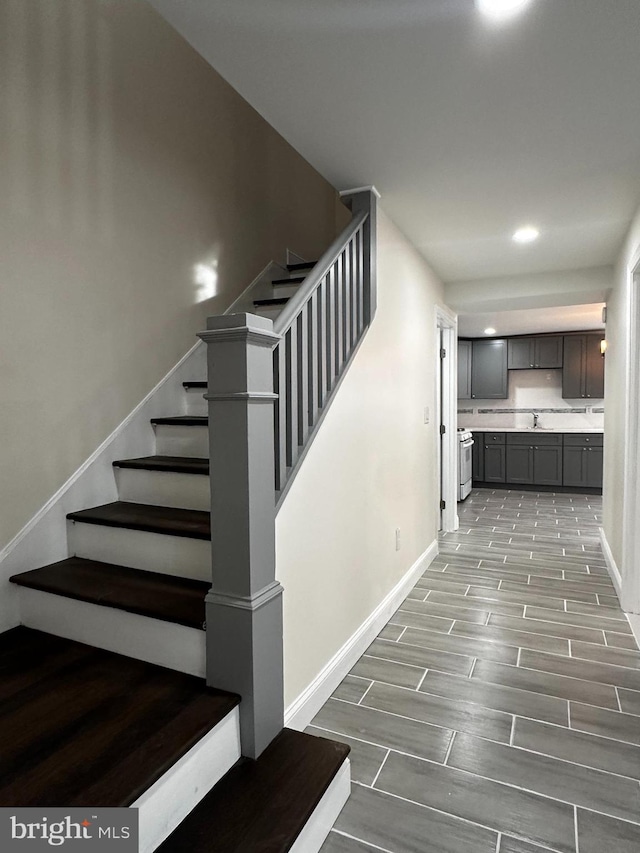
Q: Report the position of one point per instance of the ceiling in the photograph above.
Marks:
(571, 318)
(467, 128)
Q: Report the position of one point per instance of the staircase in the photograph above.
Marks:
(104, 701)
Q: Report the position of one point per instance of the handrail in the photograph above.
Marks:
(313, 279)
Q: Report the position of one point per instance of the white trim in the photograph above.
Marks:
(355, 190)
(93, 458)
(447, 373)
(630, 592)
(304, 708)
(325, 814)
(634, 621)
(169, 800)
(612, 566)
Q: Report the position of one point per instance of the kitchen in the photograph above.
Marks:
(531, 403)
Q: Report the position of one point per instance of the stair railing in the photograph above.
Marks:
(269, 387)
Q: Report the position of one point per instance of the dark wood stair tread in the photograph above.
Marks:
(173, 464)
(262, 806)
(86, 727)
(153, 594)
(297, 280)
(306, 265)
(192, 523)
(182, 420)
(277, 300)
(200, 383)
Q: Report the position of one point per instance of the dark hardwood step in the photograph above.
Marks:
(306, 265)
(182, 420)
(173, 464)
(192, 523)
(277, 300)
(80, 726)
(200, 383)
(159, 596)
(288, 280)
(262, 806)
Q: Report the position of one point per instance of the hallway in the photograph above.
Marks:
(499, 710)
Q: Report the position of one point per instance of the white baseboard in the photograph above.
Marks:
(612, 567)
(325, 813)
(634, 621)
(303, 709)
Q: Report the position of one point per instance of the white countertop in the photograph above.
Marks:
(534, 431)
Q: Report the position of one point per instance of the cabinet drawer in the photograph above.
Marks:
(492, 438)
(581, 439)
(537, 438)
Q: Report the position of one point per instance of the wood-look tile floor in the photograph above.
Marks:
(499, 710)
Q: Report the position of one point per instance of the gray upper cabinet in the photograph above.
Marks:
(464, 370)
(540, 352)
(583, 369)
(489, 377)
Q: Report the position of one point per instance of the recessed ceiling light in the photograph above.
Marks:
(490, 331)
(501, 9)
(527, 234)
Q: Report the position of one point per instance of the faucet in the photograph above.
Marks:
(536, 417)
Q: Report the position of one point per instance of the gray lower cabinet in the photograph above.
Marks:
(582, 460)
(495, 457)
(534, 460)
(489, 377)
(464, 370)
(544, 459)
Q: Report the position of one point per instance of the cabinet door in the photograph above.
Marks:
(547, 466)
(494, 463)
(594, 379)
(489, 370)
(477, 458)
(573, 368)
(593, 466)
(520, 353)
(573, 466)
(519, 463)
(548, 351)
(464, 370)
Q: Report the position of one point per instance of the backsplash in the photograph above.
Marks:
(532, 391)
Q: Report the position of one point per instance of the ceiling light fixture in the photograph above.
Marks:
(527, 234)
(490, 331)
(499, 10)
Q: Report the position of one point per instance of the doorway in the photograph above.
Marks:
(446, 418)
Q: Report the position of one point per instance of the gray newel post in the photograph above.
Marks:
(244, 605)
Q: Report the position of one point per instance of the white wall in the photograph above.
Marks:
(532, 391)
(616, 367)
(371, 469)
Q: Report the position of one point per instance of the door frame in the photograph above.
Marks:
(630, 580)
(446, 414)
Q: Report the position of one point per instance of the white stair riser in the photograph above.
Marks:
(153, 552)
(153, 640)
(182, 440)
(166, 803)
(271, 312)
(163, 488)
(196, 404)
(285, 290)
(324, 815)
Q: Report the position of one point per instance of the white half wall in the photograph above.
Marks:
(372, 469)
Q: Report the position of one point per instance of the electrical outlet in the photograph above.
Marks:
(426, 414)
(397, 538)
